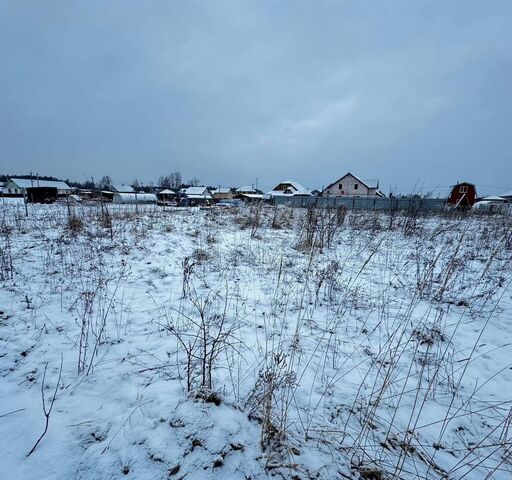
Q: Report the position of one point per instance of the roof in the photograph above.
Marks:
(462, 183)
(27, 183)
(221, 190)
(167, 192)
(196, 191)
(506, 194)
(246, 189)
(299, 189)
(494, 198)
(252, 195)
(121, 188)
(352, 175)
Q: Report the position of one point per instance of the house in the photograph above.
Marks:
(289, 188)
(191, 196)
(18, 186)
(351, 186)
(247, 189)
(221, 194)
(507, 196)
(249, 197)
(462, 195)
(121, 188)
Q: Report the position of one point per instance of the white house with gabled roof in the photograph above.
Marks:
(18, 186)
(197, 193)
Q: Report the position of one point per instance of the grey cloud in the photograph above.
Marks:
(229, 91)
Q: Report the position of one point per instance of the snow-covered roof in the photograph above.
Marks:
(251, 195)
(121, 188)
(221, 190)
(167, 192)
(27, 183)
(246, 189)
(196, 191)
(494, 198)
(296, 189)
(507, 194)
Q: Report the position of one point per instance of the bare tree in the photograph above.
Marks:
(175, 179)
(194, 182)
(105, 182)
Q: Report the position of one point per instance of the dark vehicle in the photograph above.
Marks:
(41, 194)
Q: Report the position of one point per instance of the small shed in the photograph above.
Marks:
(222, 193)
(462, 195)
(166, 197)
(41, 194)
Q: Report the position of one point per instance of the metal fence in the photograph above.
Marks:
(366, 203)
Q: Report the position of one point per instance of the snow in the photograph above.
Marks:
(12, 201)
(382, 343)
(122, 188)
(297, 189)
(27, 183)
(196, 192)
(246, 189)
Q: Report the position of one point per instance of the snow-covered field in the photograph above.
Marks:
(253, 343)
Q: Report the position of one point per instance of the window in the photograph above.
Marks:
(340, 186)
(356, 186)
(463, 189)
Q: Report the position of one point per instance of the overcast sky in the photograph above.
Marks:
(415, 94)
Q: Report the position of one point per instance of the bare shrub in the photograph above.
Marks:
(75, 224)
(268, 401)
(203, 334)
(6, 256)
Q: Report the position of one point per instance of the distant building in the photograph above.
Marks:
(463, 195)
(246, 189)
(221, 193)
(195, 196)
(351, 186)
(289, 188)
(507, 196)
(121, 188)
(18, 186)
